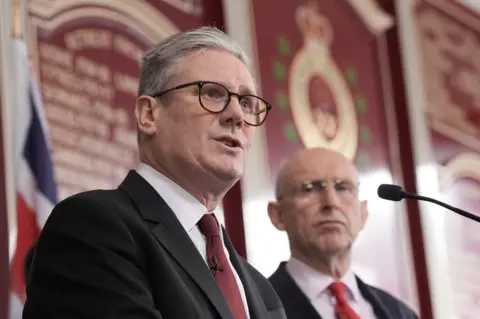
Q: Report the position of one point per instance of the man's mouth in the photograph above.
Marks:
(330, 223)
(229, 141)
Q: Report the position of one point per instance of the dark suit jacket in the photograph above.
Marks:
(123, 254)
(297, 304)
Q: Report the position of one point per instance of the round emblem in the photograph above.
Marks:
(321, 103)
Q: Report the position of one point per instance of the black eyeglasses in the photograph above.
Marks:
(214, 98)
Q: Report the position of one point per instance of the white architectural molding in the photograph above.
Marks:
(145, 19)
(256, 186)
(375, 19)
(8, 89)
(427, 178)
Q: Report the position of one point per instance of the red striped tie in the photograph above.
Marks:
(342, 308)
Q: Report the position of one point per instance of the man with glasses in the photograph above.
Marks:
(152, 248)
(317, 205)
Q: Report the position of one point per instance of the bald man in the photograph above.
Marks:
(319, 209)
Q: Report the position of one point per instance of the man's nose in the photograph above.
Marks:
(233, 113)
(330, 196)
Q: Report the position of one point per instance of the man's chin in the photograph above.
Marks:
(231, 171)
(229, 175)
(224, 177)
(333, 246)
(222, 172)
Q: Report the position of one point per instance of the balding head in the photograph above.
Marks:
(310, 163)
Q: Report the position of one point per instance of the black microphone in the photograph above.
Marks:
(396, 193)
(215, 267)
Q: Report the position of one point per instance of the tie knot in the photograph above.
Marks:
(338, 290)
(208, 226)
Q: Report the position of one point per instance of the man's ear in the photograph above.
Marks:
(276, 215)
(363, 213)
(145, 114)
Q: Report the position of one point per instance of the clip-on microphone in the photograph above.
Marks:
(215, 267)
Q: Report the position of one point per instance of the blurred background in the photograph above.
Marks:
(392, 84)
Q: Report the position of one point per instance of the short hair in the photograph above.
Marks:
(161, 63)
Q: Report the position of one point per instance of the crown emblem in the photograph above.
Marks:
(312, 25)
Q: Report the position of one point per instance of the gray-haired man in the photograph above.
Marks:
(152, 247)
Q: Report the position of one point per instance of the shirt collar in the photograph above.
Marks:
(187, 208)
(314, 284)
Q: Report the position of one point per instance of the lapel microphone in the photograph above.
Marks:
(215, 267)
(396, 193)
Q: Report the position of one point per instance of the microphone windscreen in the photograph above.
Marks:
(390, 192)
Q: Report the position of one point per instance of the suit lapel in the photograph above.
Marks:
(296, 303)
(172, 236)
(381, 311)
(256, 308)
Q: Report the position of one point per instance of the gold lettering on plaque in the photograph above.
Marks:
(89, 39)
(57, 55)
(126, 83)
(127, 48)
(93, 69)
(94, 142)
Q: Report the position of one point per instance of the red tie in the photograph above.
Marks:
(342, 308)
(217, 260)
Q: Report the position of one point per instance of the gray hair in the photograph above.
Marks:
(161, 63)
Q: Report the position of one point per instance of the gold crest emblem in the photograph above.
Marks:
(322, 106)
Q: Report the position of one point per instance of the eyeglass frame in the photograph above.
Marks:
(301, 189)
(200, 84)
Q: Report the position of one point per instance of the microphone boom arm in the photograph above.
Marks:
(454, 209)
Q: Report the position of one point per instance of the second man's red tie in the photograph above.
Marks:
(218, 263)
(342, 308)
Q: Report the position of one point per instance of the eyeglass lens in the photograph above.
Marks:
(215, 98)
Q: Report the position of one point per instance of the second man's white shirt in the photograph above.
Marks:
(315, 287)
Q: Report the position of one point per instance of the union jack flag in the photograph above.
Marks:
(36, 192)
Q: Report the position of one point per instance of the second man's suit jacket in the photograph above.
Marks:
(123, 253)
(298, 306)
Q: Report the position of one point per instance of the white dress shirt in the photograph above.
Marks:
(189, 211)
(315, 286)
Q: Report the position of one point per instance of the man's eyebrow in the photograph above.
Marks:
(242, 90)
(246, 90)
